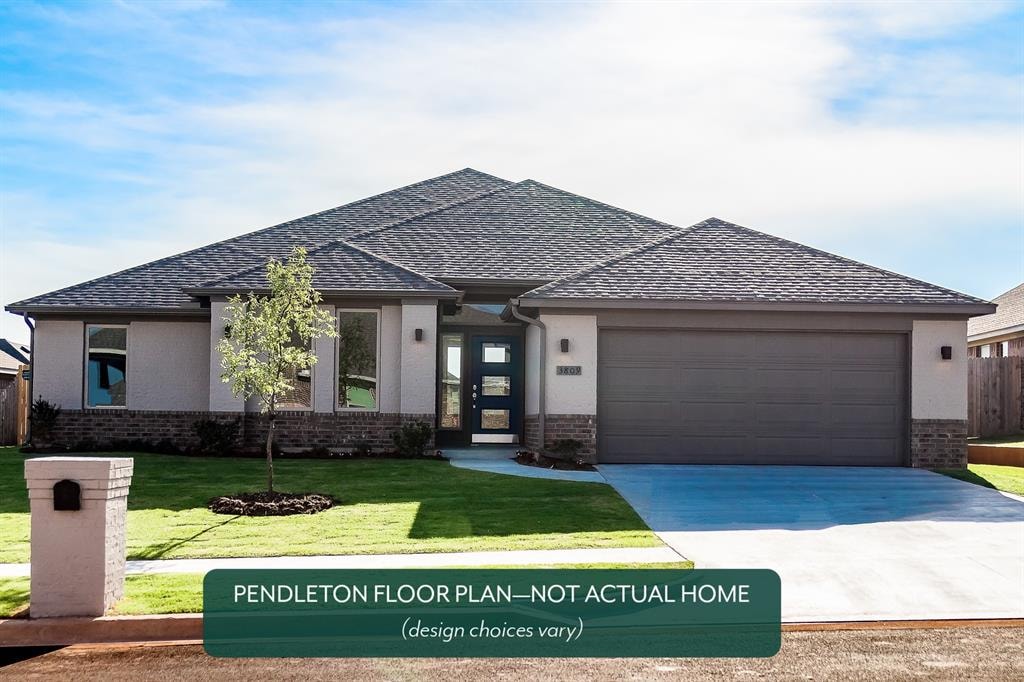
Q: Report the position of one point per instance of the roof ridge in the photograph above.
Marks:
(436, 209)
(323, 247)
(829, 254)
(597, 203)
(229, 241)
(604, 262)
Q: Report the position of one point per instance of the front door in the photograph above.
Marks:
(497, 389)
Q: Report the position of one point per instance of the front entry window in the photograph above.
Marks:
(497, 352)
(451, 381)
(358, 355)
(495, 385)
(106, 366)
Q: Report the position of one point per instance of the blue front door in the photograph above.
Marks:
(497, 389)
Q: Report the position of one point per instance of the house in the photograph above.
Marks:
(12, 356)
(1001, 334)
(514, 312)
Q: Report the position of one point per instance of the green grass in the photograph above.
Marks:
(385, 506)
(183, 592)
(1006, 441)
(1008, 479)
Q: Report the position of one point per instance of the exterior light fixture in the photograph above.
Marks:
(564, 344)
(947, 352)
(419, 334)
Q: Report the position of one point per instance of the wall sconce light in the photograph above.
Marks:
(564, 344)
(419, 334)
(947, 352)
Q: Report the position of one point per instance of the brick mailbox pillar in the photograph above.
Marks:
(78, 533)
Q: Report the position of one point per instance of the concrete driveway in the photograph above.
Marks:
(849, 543)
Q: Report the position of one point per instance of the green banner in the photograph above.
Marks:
(492, 613)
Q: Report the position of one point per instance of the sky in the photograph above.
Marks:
(891, 133)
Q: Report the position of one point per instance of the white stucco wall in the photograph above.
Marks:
(58, 363)
(571, 394)
(419, 358)
(168, 365)
(532, 383)
(938, 388)
(324, 370)
(390, 391)
(221, 397)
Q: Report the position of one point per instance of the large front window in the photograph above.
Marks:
(300, 397)
(106, 379)
(358, 359)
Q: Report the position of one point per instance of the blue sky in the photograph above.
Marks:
(887, 132)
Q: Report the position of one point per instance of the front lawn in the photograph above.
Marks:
(386, 506)
(1008, 479)
(1005, 441)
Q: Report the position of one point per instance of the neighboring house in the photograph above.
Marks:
(499, 311)
(12, 356)
(1001, 334)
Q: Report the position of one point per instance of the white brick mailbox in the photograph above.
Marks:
(78, 537)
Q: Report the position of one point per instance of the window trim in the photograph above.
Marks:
(337, 352)
(85, 364)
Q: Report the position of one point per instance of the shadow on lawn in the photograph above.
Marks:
(967, 476)
(159, 551)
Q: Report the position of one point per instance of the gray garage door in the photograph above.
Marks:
(716, 397)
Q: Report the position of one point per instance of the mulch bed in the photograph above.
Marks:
(545, 462)
(270, 504)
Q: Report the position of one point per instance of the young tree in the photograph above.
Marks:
(269, 338)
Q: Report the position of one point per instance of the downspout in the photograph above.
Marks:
(31, 373)
(541, 411)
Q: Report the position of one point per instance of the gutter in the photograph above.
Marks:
(513, 309)
(32, 373)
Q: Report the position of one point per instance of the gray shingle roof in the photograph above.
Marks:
(469, 225)
(160, 284)
(1010, 313)
(721, 262)
(340, 267)
(526, 231)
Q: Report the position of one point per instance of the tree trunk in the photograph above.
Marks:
(270, 455)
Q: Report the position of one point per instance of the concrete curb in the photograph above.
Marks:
(187, 628)
(103, 630)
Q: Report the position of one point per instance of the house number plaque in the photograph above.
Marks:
(568, 370)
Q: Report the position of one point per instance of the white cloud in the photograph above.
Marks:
(679, 111)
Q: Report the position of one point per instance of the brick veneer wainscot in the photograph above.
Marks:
(294, 429)
(582, 427)
(938, 443)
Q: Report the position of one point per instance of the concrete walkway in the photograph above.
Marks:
(616, 555)
(499, 459)
(849, 543)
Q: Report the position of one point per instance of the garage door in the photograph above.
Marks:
(728, 397)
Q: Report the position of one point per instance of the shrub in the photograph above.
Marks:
(217, 438)
(362, 448)
(43, 416)
(567, 448)
(412, 438)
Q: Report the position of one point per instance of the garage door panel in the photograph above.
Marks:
(752, 397)
(715, 379)
(698, 413)
(792, 347)
(862, 416)
(790, 414)
(791, 379)
(866, 380)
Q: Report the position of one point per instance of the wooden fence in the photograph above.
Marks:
(14, 410)
(995, 395)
